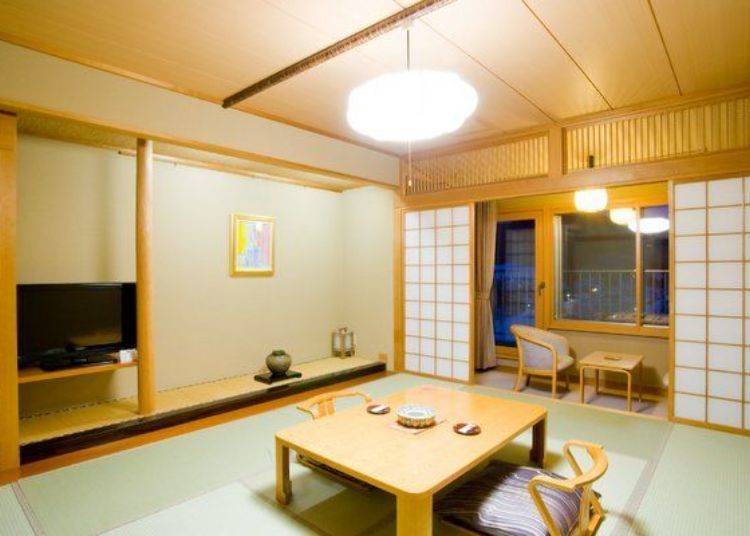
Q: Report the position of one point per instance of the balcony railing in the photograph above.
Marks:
(598, 295)
(609, 296)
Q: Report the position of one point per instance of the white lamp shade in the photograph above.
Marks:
(650, 225)
(592, 200)
(411, 105)
(622, 216)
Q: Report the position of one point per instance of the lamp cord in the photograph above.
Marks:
(408, 141)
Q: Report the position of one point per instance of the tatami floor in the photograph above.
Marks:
(505, 379)
(663, 479)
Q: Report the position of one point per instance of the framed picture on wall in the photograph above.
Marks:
(251, 245)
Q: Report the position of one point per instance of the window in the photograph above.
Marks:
(655, 276)
(600, 268)
(513, 293)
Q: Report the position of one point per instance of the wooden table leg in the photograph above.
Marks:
(538, 442)
(283, 483)
(630, 390)
(413, 515)
(596, 381)
(640, 383)
(582, 387)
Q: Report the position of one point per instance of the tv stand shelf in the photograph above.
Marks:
(35, 374)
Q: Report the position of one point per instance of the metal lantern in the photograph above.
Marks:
(343, 343)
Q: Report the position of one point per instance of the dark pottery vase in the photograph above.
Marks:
(278, 362)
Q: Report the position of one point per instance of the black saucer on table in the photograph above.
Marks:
(270, 377)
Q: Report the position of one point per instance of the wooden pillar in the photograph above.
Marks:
(144, 275)
(9, 453)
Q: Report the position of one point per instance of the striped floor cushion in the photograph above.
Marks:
(497, 502)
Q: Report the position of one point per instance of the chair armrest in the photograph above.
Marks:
(597, 455)
(581, 480)
(549, 482)
(308, 405)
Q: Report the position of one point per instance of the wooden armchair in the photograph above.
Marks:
(321, 406)
(526, 501)
(541, 353)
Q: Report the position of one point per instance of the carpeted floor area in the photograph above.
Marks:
(663, 479)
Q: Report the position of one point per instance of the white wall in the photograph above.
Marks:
(368, 269)
(333, 263)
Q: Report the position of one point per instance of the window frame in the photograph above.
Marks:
(550, 297)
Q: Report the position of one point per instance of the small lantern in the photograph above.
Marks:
(343, 343)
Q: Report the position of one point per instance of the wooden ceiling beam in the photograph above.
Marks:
(381, 27)
(664, 46)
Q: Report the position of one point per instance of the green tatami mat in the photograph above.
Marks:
(633, 445)
(326, 507)
(230, 510)
(12, 519)
(107, 492)
(97, 495)
(184, 484)
(700, 487)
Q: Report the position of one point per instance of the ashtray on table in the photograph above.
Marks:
(415, 416)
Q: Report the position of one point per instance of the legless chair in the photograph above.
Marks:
(541, 353)
(526, 501)
(321, 406)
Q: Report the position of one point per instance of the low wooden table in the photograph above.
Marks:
(411, 466)
(613, 362)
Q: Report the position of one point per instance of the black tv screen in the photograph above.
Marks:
(56, 319)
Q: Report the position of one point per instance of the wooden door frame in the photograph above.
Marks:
(504, 352)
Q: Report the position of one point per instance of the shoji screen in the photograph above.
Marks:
(438, 287)
(712, 302)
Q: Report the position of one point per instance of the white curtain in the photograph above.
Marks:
(486, 226)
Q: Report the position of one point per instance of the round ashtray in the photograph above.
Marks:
(378, 409)
(467, 428)
(415, 416)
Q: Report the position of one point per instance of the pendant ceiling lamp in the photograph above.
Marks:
(649, 225)
(591, 200)
(411, 105)
(622, 216)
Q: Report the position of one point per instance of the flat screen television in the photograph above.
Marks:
(74, 319)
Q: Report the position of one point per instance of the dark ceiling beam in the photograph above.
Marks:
(371, 32)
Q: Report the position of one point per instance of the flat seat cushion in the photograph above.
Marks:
(498, 503)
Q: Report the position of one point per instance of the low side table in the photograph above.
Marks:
(613, 362)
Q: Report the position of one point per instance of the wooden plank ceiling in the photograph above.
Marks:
(533, 62)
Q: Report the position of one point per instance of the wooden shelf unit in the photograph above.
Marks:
(35, 374)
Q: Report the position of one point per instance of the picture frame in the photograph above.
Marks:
(251, 245)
